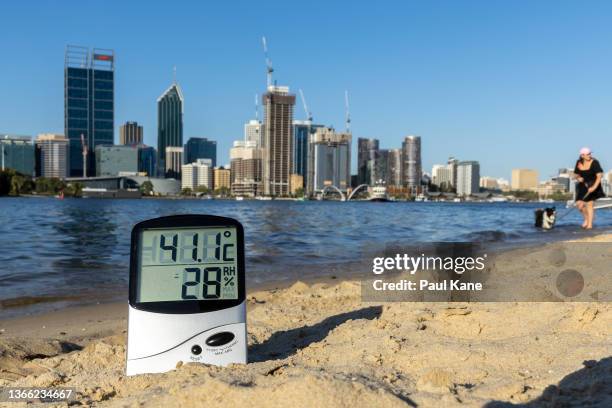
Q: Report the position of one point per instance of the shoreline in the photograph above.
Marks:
(320, 344)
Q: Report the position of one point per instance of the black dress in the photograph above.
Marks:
(589, 177)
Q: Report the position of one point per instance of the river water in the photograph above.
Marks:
(75, 251)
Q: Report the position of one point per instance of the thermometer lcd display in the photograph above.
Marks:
(183, 264)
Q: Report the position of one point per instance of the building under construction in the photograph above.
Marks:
(89, 105)
(278, 140)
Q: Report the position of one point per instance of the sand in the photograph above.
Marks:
(319, 345)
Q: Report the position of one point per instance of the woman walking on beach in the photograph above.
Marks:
(588, 189)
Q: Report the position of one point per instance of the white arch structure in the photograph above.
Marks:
(326, 189)
(359, 187)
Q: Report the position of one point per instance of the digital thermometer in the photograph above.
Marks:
(187, 293)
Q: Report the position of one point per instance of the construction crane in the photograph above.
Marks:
(308, 113)
(269, 69)
(84, 147)
(348, 113)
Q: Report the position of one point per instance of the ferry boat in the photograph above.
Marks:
(379, 193)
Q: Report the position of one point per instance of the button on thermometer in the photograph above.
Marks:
(187, 293)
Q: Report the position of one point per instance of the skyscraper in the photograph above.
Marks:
(366, 155)
(89, 103)
(302, 129)
(52, 155)
(130, 133)
(411, 152)
(468, 178)
(200, 148)
(169, 125)
(329, 160)
(394, 168)
(278, 140)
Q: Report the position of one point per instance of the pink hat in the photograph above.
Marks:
(585, 150)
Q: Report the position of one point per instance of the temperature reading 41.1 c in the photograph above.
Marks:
(185, 247)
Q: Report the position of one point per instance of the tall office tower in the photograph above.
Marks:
(147, 158)
(411, 152)
(253, 131)
(130, 133)
(366, 154)
(452, 165)
(524, 179)
(169, 124)
(468, 178)
(442, 176)
(394, 168)
(200, 148)
(302, 129)
(246, 169)
(278, 140)
(173, 161)
(17, 153)
(197, 174)
(52, 155)
(329, 160)
(89, 104)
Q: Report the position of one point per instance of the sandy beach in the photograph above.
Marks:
(319, 345)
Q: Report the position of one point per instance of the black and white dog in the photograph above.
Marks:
(545, 217)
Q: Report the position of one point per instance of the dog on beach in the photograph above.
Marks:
(545, 217)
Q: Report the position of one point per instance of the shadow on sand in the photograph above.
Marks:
(590, 386)
(283, 344)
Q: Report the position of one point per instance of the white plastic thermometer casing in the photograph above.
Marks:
(164, 332)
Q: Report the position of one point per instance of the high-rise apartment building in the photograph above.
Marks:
(412, 168)
(452, 165)
(394, 168)
(524, 179)
(89, 104)
(246, 169)
(200, 148)
(130, 133)
(442, 175)
(278, 140)
(366, 156)
(329, 160)
(52, 155)
(468, 178)
(169, 127)
(222, 178)
(174, 162)
(197, 174)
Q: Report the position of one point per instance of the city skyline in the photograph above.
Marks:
(466, 92)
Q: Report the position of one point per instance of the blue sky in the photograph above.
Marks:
(508, 83)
